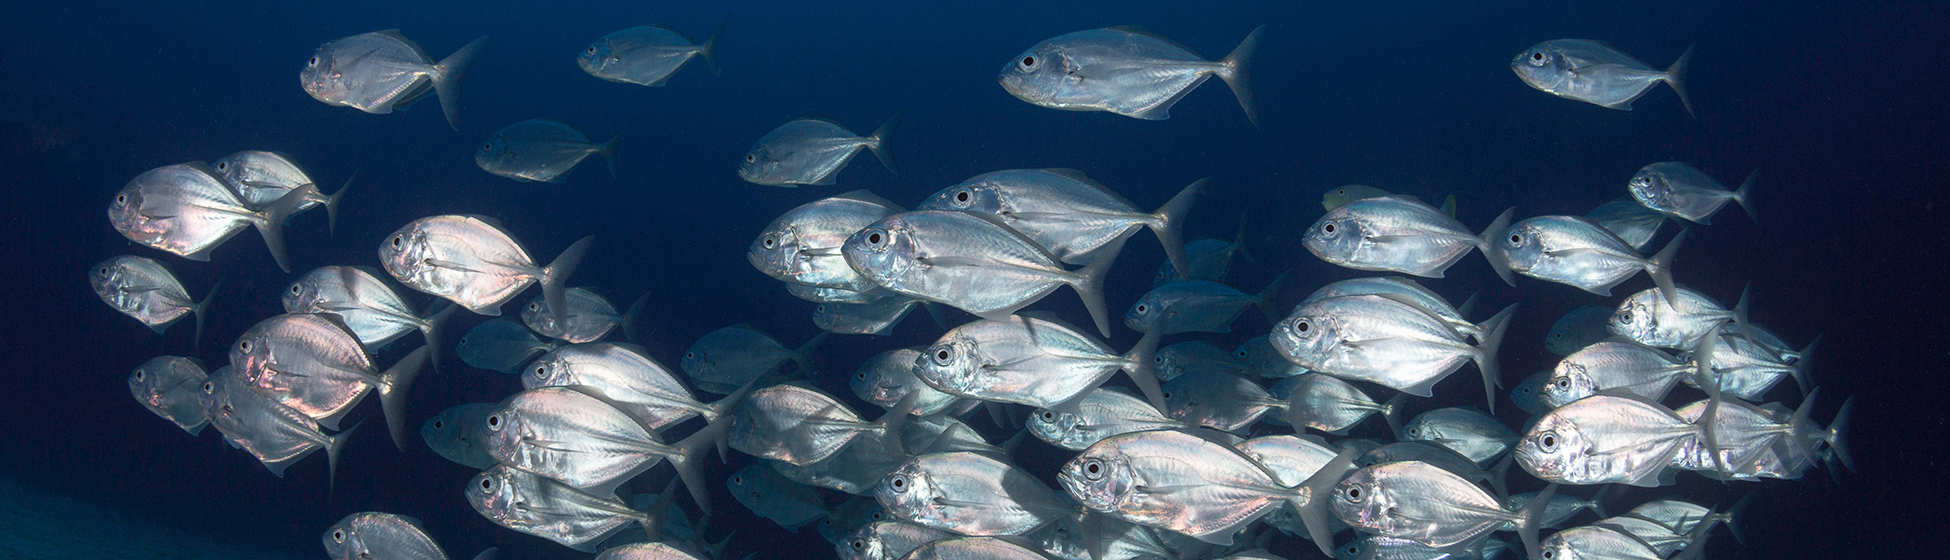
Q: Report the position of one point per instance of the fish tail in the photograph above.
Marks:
(651, 518)
(1239, 241)
(722, 409)
(1744, 195)
(270, 222)
(1732, 519)
(1089, 282)
(199, 310)
(1486, 349)
(1497, 261)
(1391, 413)
(877, 142)
(608, 151)
(1533, 519)
(1144, 368)
(1709, 422)
(1838, 435)
(431, 330)
(1804, 366)
(1500, 476)
(1739, 312)
(710, 49)
(1797, 424)
(1597, 502)
(1315, 503)
(393, 386)
(803, 355)
(1168, 223)
(332, 206)
(635, 314)
(333, 445)
(1236, 70)
(690, 461)
(489, 554)
(1676, 77)
(556, 275)
(1268, 299)
(447, 75)
(1660, 267)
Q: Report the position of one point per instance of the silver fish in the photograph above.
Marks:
(541, 150)
(1198, 306)
(459, 434)
(1125, 70)
(1397, 234)
(590, 317)
(383, 70)
(1068, 213)
(888, 377)
(471, 261)
(647, 54)
(888, 540)
(261, 178)
(1117, 539)
(1576, 251)
(1220, 401)
(313, 364)
(186, 210)
(1475, 435)
(801, 426)
(649, 551)
(970, 494)
(1597, 541)
(1412, 292)
(1434, 455)
(1382, 339)
(1608, 438)
(364, 303)
(625, 377)
(1377, 547)
(1561, 507)
(1198, 355)
(812, 150)
(380, 535)
(771, 496)
(855, 469)
(1574, 331)
(534, 504)
(977, 548)
(1330, 405)
(1747, 370)
(276, 434)
(1339, 196)
(877, 318)
(1629, 220)
(802, 246)
(1103, 412)
(1032, 361)
(725, 359)
(1627, 366)
(1208, 259)
(1292, 458)
(167, 386)
(1419, 502)
(585, 442)
(144, 289)
(501, 345)
(1185, 483)
(1595, 73)
(1652, 319)
(1683, 191)
(817, 294)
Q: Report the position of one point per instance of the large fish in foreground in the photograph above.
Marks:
(276, 434)
(970, 494)
(647, 54)
(187, 210)
(471, 261)
(1613, 437)
(1032, 361)
(580, 440)
(1125, 70)
(383, 70)
(812, 150)
(1420, 502)
(143, 289)
(1068, 213)
(1595, 73)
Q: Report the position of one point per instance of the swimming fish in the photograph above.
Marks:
(1629, 220)
(968, 493)
(1208, 259)
(1529, 393)
(186, 210)
(1198, 355)
(801, 425)
(167, 386)
(1608, 438)
(725, 359)
(276, 434)
(1595, 73)
(313, 364)
(1403, 290)
(763, 491)
(1101, 413)
(261, 178)
(647, 54)
(650, 551)
(374, 534)
(582, 441)
(1198, 306)
(877, 318)
(1576, 251)
(501, 345)
(1125, 70)
(1652, 319)
(888, 540)
(1031, 360)
(471, 261)
(1747, 370)
(888, 377)
(1620, 365)
(541, 150)
(1397, 234)
(536, 505)
(977, 548)
(1066, 212)
(1420, 502)
(379, 71)
(1264, 360)
(1681, 190)
(142, 288)
(1220, 401)
(1384, 340)
(812, 150)
(459, 434)
(625, 378)
(802, 246)
(365, 304)
(1475, 435)
(590, 317)
(1330, 405)
(1581, 327)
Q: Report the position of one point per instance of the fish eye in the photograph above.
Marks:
(770, 242)
(1159, 359)
(535, 306)
(313, 63)
(749, 158)
(1549, 554)
(1327, 228)
(876, 239)
(1167, 395)
(964, 196)
(541, 371)
(876, 516)
(1563, 383)
(121, 199)
(1414, 432)
(1354, 549)
(1516, 239)
(737, 480)
(1049, 416)
(942, 356)
(859, 544)
(690, 355)
(338, 536)
(138, 375)
(437, 425)
(1302, 325)
(244, 345)
(1093, 469)
(209, 387)
(592, 49)
(487, 146)
(1141, 308)
(1537, 56)
(860, 376)
(222, 165)
(898, 483)
(821, 308)
(398, 241)
(1029, 62)
(1625, 317)
(1354, 494)
(487, 484)
(1547, 442)
(104, 272)
(1240, 352)
(1524, 390)
(494, 422)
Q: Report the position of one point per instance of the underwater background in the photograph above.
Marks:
(1839, 105)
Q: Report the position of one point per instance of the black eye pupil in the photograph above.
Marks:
(592, 50)
(488, 146)
(942, 355)
(962, 196)
(1354, 492)
(494, 420)
(437, 425)
(1537, 56)
(1329, 228)
(1302, 326)
(1516, 239)
(1028, 61)
(487, 485)
(873, 238)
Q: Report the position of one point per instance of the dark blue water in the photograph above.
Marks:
(1839, 106)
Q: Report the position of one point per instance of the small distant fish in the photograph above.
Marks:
(459, 434)
(261, 178)
(142, 288)
(1397, 234)
(647, 54)
(877, 318)
(1209, 259)
(766, 493)
(803, 245)
(383, 70)
(1576, 251)
(471, 261)
(1745, 369)
(540, 430)
(185, 209)
(1402, 290)
(380, 535)
(888, 377)
(312, 363)
(1292, 458)
(536, 505)
(1529, 393)
(1198, 355)
(1387, 341)
(541, 150)
(1595, 73)
(1581, 327)
(1198, 306)
(970, 494)
(1561, 508)
(1067, 212)
(802, 426)
(1475, 435)
(888, 540)
(1125, 70)
(1681, 190)
(1330, 405)
(1104, 412)
(1629, 220)
(168, 386)
(590, 317)
(501, 345)
(1620, 365)
(1263, 359)
(369, 307)
(812, 150)
(1220, 401)
(725, 359)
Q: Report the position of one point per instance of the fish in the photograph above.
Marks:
(1529, 393)
(533, 504)
(1628, 220)
(541, 151)
(647, 54)
(260, 178)
(888, 377)
(1576, 251)
(1125, 70)
(459, 434)
(1420, 502)
(1264, 360)
(977, 548)
(1653, 319)
(650, 551)
(812, 150)
(1578, 329)
(1384, 340)
(1069, 538)
(1101, 413)
(586, 443)
(167, 386)
(1596, 73)
(1031, 361)
(1747, 370)
(365, 304)
(724, 359)
(501, 345)
(1067, 213)
(888, 540)
(801, 426)
(1607, 438)
(1597, 541)
(1681, 518)
(146, 290)
(803, 245)
(186, 210)
(1434, 455)
(1198, 487)
(590, 317)
(1198, 355)
(1620, 365)
(969, 494)
(1291, 458)
(374, 534)
(1208, 259)
(1377, 547)
(379, 71)
(1682, 191)
(1475, 435)
(1341, 195)
(1198, 306)
(768, 494)
(1755, 441)
(817, 294)
(1561, 508)
(625, 377)
(972, 263)
(1220, 401)
(471, 261)
(1409, 291)
(276, 434)
(1330, 405)
(313, 364)
(1398, 234)
(851, 515)
(877, 318)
